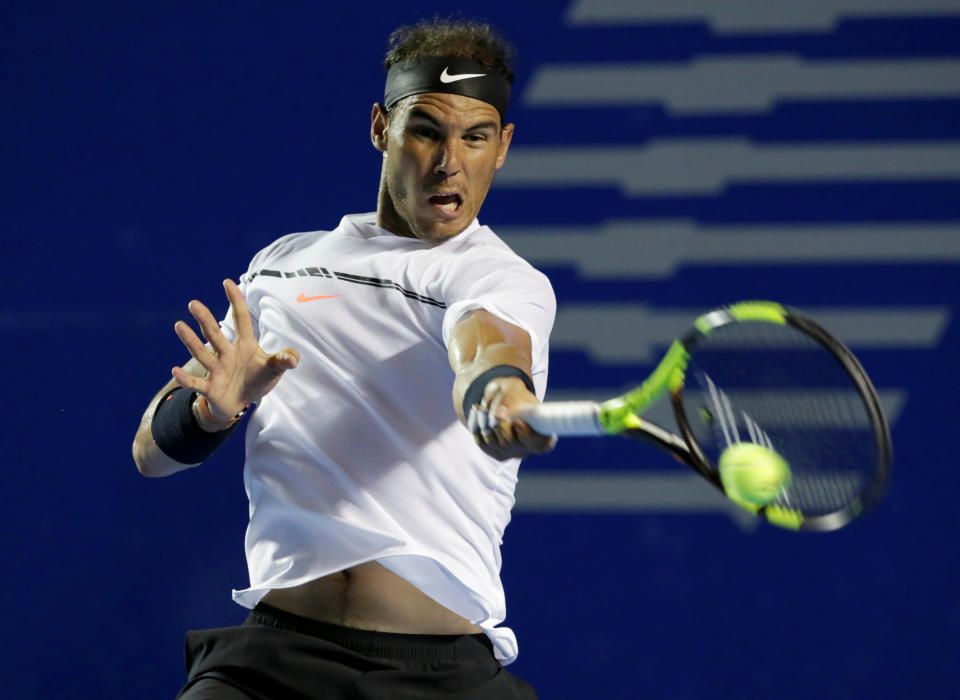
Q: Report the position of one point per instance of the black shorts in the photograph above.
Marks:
(278, 656)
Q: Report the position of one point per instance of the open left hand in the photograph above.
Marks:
(238, 372)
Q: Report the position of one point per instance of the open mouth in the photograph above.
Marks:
(449, 202)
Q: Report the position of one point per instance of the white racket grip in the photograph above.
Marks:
(565, 418)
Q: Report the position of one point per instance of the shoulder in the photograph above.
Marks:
(278, 248)
(293, 243)
(483, 239)
(483, 252)
(482, 244)
(485, 270)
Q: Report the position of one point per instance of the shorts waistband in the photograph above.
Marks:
(383, 645)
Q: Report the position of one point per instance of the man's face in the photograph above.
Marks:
(440, 153)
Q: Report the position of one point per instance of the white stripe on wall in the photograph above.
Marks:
(619, 492)
(635, 333)
(749, 15)
(708, 165)
(655, 249)
(739, 84)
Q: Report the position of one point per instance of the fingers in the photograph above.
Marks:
(497, 425)
(190, 381)
(494, 413)
(505, 439)
(481, 425)
(200, 352)
(209, 326)
(532, 440)
(498, 420)
(241, 312)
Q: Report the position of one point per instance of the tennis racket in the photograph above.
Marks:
(757, 372)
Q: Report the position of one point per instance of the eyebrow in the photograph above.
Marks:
(484, 125)
(417, 112)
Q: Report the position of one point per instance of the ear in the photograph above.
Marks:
(506, 137)
(378, 127)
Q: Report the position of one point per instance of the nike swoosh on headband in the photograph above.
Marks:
(447, 78)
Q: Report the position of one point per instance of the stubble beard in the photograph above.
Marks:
(395, 216)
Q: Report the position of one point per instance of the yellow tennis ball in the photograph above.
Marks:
(753, 473)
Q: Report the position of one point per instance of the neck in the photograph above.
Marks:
(387, 217)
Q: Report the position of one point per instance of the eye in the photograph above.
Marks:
(426, 132)
(476, 138)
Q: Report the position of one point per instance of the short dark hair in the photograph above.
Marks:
(451, 37)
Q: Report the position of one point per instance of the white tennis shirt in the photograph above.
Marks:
(357, 454)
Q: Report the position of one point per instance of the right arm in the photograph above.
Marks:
(227, 376)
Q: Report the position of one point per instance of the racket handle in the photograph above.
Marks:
(565, 418)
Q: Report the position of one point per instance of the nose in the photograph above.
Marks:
(448, 157)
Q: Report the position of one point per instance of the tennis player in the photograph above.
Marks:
(386, 360)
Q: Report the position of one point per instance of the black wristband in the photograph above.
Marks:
(474, 393)
(177, 432)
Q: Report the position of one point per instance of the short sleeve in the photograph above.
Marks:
(513, 290)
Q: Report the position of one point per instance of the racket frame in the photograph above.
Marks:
(622, 415)
(770, 312)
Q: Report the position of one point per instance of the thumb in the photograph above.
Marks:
(288, 358)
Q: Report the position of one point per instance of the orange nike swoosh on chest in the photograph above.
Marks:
(303, 297)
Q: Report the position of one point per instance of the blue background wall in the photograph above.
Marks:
(149, 149)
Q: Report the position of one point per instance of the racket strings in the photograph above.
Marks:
(814, 409)
(824, 492)
(774, 386)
